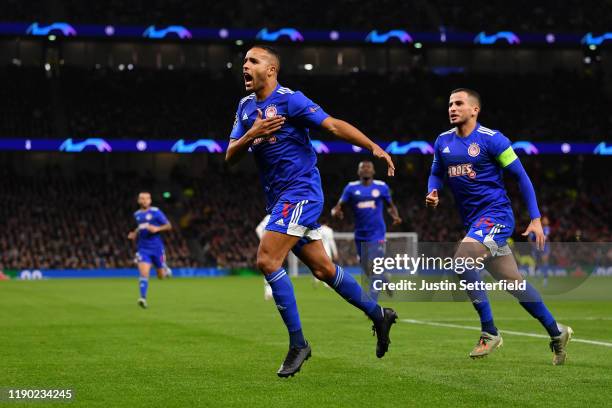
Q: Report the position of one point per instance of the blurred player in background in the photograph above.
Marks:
(366, 197)
(151, 223)
(474, 158)
(273, 121)
(329, 243)
(541, 257)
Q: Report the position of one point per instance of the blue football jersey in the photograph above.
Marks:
(147, 240)
(474, 169)
(367, 204)
(286, 160)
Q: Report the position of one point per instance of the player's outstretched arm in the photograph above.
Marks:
(261, 128)
(155, 229)
(345, 131)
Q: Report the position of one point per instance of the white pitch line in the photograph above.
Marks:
(524, 319)
(516, 333)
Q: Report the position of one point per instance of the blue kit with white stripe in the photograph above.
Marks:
(367, 203)
(150, 245)
(474, 168)
(286, 160)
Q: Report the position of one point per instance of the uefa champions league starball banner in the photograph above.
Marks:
(187, 146)
(399, 36)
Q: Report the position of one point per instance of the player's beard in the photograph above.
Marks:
(458, 121)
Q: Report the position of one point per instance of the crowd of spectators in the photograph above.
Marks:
(162, 104)
(418, 15)
(58, 221)
(523, 15)
(55, 221)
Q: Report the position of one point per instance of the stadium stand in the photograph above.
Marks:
(194, 104)
(385, 14)
(54, 220)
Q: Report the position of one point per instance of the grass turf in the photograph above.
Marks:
(215, 342)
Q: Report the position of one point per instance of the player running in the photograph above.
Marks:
(366, 198)
(151, 222)
(474, 157)
(273, 121)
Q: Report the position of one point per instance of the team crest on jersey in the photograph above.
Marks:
(461, 170)
(375, 193)
(270, 111)
(474, 150)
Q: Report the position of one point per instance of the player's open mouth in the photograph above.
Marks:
(453, 117)
(248, 79)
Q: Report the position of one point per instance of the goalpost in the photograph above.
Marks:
(397, 242)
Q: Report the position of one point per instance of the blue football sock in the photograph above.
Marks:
(144, 286)
(480, 301)
(347, 287)
(532, 302)
(282, 290)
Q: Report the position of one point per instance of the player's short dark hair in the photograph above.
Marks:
(471, 93)
(272, 51)
(145, 192)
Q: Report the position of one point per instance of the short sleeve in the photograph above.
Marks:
(346, 194)
(386, 194)
(501, 149)
(305, 110)
(238, 129)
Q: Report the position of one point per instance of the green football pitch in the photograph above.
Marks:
(217, 343)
